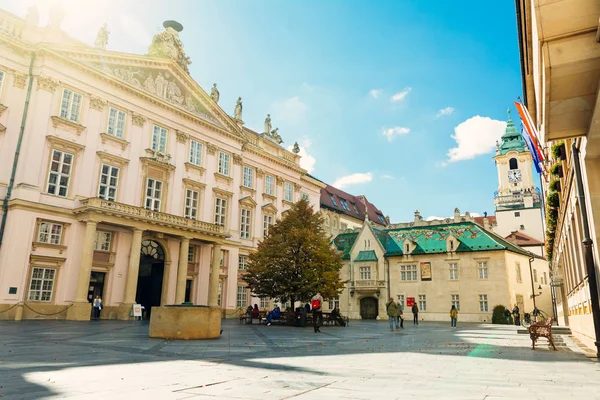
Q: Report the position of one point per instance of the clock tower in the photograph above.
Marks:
(517, 201)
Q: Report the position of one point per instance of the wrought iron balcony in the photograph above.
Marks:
(126, 211)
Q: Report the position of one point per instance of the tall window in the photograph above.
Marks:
(159, 139)
(192, 254)
(513, 164)
(116, 122)
(219, 293)
(220, 211)
(267, 222)
(242, 262)
(456, 301)
(70, 106)
(365, 273)
(242, 296)
(153, 194)
(482, 267)
(60, 173)
(269, 185)
(246, 217)
(248, 177)
(408, 272)
(50, 232)
(333, 302)
(535, 277)
(191, 204)
(305, 196)
(42, 284)
(195, 152)
(288, 191)
(103, 240)
(518, 272)
(344, 205)
(109, 179)
(422, 302)
(453, 272)
(265, 303)
(545, 282)
(224, 161)
(483, 303)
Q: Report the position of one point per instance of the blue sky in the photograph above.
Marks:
(361, 85)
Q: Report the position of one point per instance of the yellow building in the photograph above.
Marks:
(560, 63)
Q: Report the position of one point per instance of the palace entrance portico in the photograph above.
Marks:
(149, 261)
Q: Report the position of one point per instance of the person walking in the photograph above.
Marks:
(401, 313)
(507, 315)
(517, 315)
(415, 311)
(392, 312)
(316, 304)
(453, 316)
(97, 307)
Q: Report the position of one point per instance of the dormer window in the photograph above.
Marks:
(333, 199)
(407, 248)
(344, 204)
(451, 245)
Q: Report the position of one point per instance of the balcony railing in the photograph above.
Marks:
(141, 214)
(517, 198)
(367, 284)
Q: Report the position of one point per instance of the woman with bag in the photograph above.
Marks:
(97, 307)
(453, 316)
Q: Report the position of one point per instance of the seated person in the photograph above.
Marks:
(255, 308)
(307, 307)
(337, 316)
(275, 314)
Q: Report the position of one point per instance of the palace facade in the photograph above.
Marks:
(131, 182)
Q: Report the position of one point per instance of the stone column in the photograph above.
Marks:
(132, 275)
(184, 248)
(213, 288)
(81, 308)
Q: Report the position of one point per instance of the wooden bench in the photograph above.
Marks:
(327, 320)
(541, 329)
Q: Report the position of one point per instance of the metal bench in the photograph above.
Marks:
(541, 329)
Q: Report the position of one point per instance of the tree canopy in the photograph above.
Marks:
(295, 260)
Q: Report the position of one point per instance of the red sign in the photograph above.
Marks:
(410, 301)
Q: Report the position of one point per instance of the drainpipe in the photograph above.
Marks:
(18, 150)
(387, 263)
(533, 296)
(587, 244)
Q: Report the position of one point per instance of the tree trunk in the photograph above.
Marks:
(293, 301)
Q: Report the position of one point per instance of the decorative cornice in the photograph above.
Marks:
(221, 192)
(138, 119)
(47, 260)
(279, 180)
(2, 128)
(112, 159)
(111, 138)
(237, 159)
(286, 202)
(211, 148)
(157, 163)
(182, 137)
(65, 123)
(297, 187)
(260, 173)
(268, 197)
(248, 201)
(225, 178)
(97, 103)
(247, 189)
(20, 80)
(194, 184)
(47, 83)
(63, 144)
(269, 208)
(189, 166)
(2, 109)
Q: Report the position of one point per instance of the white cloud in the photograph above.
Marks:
(292, 109)
(135, 30)
(307, 161)
(474, 137)
(353, 179)
(375, 93)
(386, 176)
(444, 111)
(400, 95)
(390, 133)
(433, 218)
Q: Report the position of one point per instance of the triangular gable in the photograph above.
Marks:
(160, 78)
(248, 201)
(269, 208)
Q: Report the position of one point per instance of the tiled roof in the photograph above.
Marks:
(350, 205)
(432, 239)
(366, 255)
(523, 240)
(491, 220)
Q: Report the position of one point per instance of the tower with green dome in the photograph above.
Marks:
(517, 201)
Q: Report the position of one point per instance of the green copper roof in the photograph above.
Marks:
(512, 139)
(366, 255)
(431, 240)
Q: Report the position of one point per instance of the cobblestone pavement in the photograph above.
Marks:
(117, 360)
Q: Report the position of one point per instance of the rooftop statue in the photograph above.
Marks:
(268, 123)
(168, 45)
(102, 38)
(237, 112)
(214, 93)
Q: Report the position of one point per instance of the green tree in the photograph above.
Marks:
(295, 260)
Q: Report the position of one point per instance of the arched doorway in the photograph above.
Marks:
(369, 308)
(150, 276)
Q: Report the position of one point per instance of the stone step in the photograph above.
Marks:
(556, 330)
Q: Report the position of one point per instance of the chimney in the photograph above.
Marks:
(486, 224)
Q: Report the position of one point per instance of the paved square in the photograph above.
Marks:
(117, 360)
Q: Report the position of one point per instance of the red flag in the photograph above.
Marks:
(530, 129)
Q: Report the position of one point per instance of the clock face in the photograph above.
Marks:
(514, 175)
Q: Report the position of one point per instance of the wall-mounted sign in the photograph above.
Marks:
(410, 301)
(425, 271)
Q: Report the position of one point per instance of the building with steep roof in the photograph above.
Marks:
(437, 264)
(343, 211)
(133, 183)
